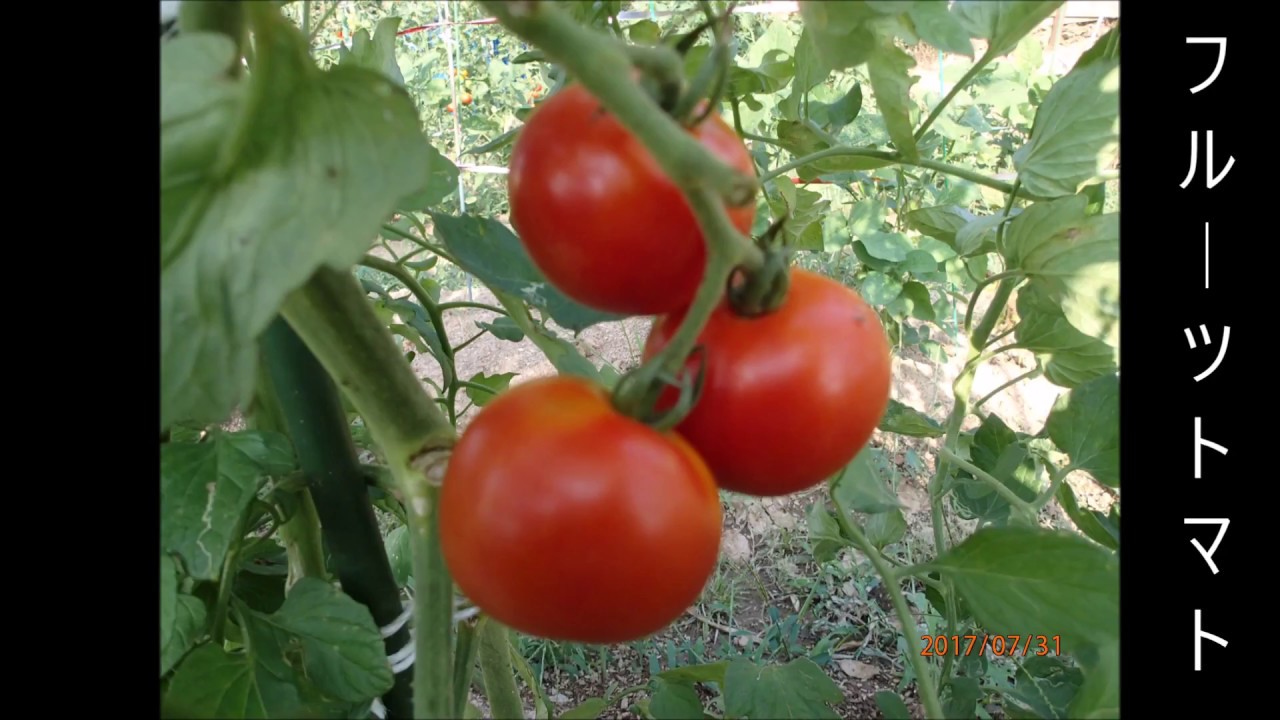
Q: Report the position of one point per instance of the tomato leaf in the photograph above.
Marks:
(377, 53)
(1054, 584)
(891, 246)
(998, 450)
(941, 222)
(672, 701)
(939, 26)
(644, 32)
(798, 689)
(835, 116)
(495, 384)
(1085, 424)
(863, 484)
(1099, 527)
(1076, 135)
(704, 673)
(892, 706)
(1075, 257)
(182, 618)
(824, 533)
(965, 692)
(1046, 685)
(904, 420)
(1070, 357)
(843, 34)
(586, 710)
(213, 683)
(205, 489)
(399, 554)
(1099, 695)
(503, 328)
(880, 289)
(339, 643)
(1002, 23)
(891, 80)
(886, 528)
(256, 197)
(489, 250)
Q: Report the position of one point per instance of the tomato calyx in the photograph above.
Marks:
(638, 393)
(762, 291)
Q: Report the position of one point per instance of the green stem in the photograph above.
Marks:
(333, 318)
(1028, 374)
(499, 677)
(317, 425)
(982, 285)
(302, 541)
(890, 577)
(601, 64)
(892, 157)
(476, 305)
(464, 663)
(1001, 489)
(1056, 478)
(407, 279)
(955, 90)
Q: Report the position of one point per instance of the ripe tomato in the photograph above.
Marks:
(597, 214)
(564, 519)
(449, 108)
(466, 98)
(789, 397)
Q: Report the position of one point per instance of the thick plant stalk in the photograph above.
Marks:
(499, 679)
(317, 424)
(331, 315)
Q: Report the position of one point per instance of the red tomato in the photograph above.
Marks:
(564, 519)
(466, 98)
(600, 218)
(789, 397)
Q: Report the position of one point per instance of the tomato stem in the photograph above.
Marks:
(333, 318)
(603, 65)
(969, 75)
(499, 675)
(891, 579)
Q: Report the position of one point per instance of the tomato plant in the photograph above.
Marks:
(819, 362)
(586, 193)
(557, 515)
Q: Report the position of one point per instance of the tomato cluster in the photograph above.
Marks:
(565, 518)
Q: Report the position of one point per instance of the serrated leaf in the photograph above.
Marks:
(182, 618)
(997, 451)
(1045, 686)
(913, 300)
(1002, 23)
(1076, 135)
(891, 80)
(1096, 525)
(342, 650)
(805, 213)
(1049, 583)
(212, 683)
(798, 689)
(843, 111)
(489, 250)
(674, 701)
(586, 710)
(938, 25)
(1085, 424)
(503, 328)
(1075, 257)
(494, 384)
(205, 489)
(891, 704)
(824, 533)
(703, 673)
(316, 169)
(905, 420)
(839, 32)
(940, 222)
(1070, 358)
(377, 53)
(864, 484)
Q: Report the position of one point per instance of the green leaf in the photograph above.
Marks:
(205, 489)
(1076, 135)
(1099, 696)
(978, 236)
(941, 28)
(843, 111)
(377, 53)
(891, 80)
(824, 533)
(503, 328)
(1049, 583)
(1046, 685)
(1098, 526)
(773, 73)
(1002, 23)
(644, 32)
(914, 299)
(864, 484)
(839, 32)
(941, 222)
(674, 701)
(341, 648)
(1070, 357)
(880, 289)
(1104, 49)
(964, 697)
(1075, 257)
(303, 179)
(497, 143)
(703, 673)
(212, 683)
(586, 710)
(1085, 424)
(905, 420)
(919, 262)
(399, 554)
(805, 211)
(182, 617)
(891, 246)
(489, 250)
(886, 528)
(892, 706)
(495, 384)
(798, 689)
(996, 449)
